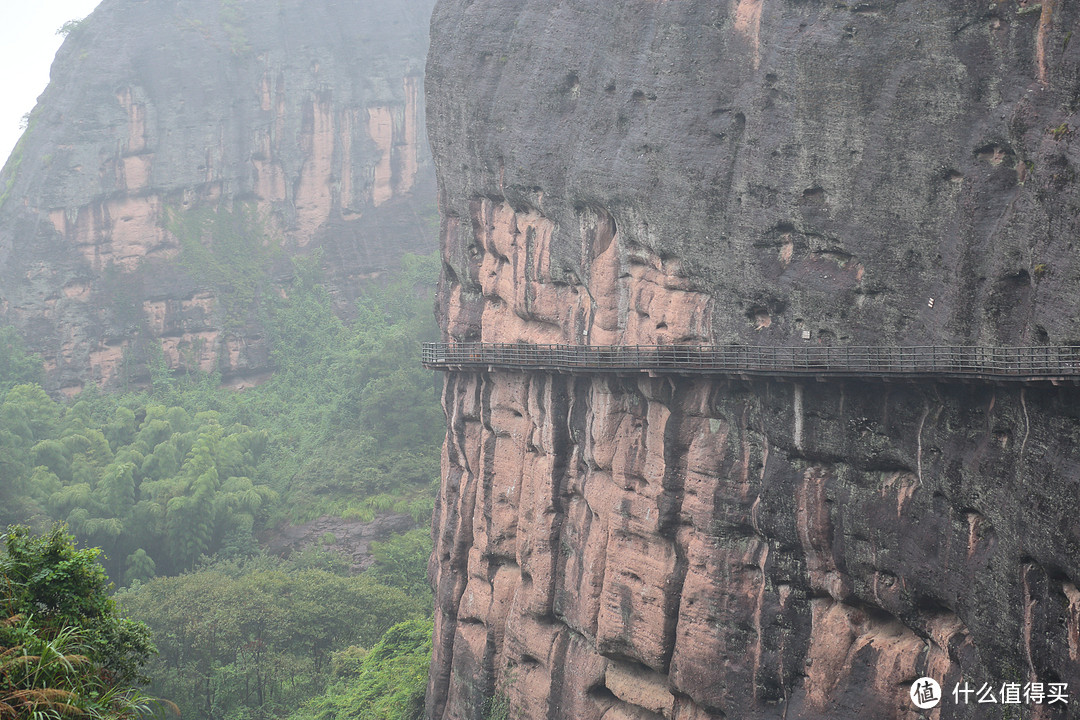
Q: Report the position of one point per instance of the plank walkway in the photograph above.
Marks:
(1056, 364)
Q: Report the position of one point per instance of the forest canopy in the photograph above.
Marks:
(174, 484)
(349, 425)
(260, 636)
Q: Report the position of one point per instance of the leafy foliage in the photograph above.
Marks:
(349, 425)
(154, 486)
(64, 648)
(401, 562)
(357, 414)
(18, 366)
(259, 635)
(230, 249)
(69, 27)
(387, 684)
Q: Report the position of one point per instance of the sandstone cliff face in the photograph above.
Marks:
(683, 172)
(306, 116)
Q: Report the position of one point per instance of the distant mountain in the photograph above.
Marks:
(184, 151)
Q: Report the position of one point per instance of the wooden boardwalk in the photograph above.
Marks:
(1040, 364)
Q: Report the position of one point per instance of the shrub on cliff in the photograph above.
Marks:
(18, 366)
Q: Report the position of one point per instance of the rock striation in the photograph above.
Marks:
(638, 172)
(168, 128)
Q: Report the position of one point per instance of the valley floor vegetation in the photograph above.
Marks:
(177, 483)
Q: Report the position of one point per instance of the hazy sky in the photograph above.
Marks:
(28, 42)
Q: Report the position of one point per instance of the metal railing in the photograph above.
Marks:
(1022, 364)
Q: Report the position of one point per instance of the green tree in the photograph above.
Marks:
(401, 562)
(18, 366)
(387, 684)
(69, 27)
(363, 417)
(59, 585)
(257, 637)
(64, 647)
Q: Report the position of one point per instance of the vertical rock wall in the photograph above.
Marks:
(307, 117)
(640, 547)
(625, 546)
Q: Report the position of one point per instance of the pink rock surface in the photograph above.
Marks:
(625, 546)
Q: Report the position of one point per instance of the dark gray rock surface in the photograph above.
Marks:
(931, 144)
(642, 171)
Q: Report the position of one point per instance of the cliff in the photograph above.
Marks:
(886, 173)
(184, 151)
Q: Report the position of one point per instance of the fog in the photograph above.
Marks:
(28, 43)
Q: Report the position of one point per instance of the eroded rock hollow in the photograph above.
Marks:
(758, 172)
(184, 151)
